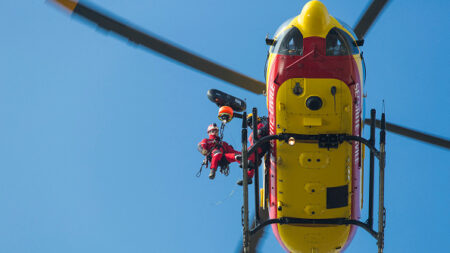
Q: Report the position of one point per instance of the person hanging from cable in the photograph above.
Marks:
(218, 152)
(262, 130)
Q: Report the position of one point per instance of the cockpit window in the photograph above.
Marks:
(282, 26)
(339, 42)
(349, 29)
(289, 42)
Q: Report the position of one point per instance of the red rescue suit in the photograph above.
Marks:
(262, 130)
(217, 149)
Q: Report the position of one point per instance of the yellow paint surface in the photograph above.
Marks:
(304, 171)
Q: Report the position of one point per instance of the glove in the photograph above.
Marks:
(204, 152)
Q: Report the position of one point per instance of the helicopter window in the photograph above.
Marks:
(289, 42)
(282, 26)
(349, 29)
(339, 42)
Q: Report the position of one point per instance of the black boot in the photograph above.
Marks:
(241, 182)
(212, 174)
(250, 164)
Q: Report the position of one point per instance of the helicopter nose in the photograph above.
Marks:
(314, 19)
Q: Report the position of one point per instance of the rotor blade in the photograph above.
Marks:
(255, 239)
(134, 35)
(367, 19)
(412, 134)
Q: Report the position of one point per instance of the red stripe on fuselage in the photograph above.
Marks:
(315, 64)
(272, 96)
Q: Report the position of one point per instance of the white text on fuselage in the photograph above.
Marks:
(357, 125)
(272, 128)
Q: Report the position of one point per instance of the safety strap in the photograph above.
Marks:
(225, 169)
(204, 163)
(199, 173)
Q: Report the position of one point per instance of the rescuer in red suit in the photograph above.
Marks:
(262, 130)
(218, 150)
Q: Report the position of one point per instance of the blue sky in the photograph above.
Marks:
(98, 136)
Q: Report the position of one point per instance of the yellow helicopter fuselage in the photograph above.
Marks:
(314, 86)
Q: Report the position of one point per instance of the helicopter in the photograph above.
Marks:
(297, 85)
